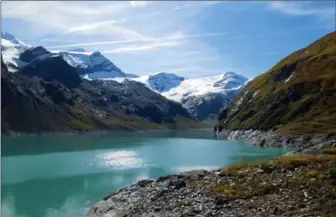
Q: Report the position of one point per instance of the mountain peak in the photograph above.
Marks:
(9, 37)
(163, 81)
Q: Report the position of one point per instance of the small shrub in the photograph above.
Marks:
(332, 172)
(313, 173)
(329, 150)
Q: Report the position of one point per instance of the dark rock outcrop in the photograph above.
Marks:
(34, 53)
(54, 68)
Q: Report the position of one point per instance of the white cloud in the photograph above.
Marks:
(324, 14)
(138, 3)
(61, 16)
(139, 37)
(295, 8)
(175, 36)
(141, 47)
(90, 26)
(121, 30)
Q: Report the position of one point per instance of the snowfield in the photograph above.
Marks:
(11, 48)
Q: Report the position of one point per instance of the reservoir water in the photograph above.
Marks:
(63, 175)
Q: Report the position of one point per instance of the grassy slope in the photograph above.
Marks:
(306, 103)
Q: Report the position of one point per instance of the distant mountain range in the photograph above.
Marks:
(204, 97)
(43, 90)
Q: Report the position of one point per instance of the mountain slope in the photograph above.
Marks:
(298, 95)
(49, 95)
(93, 64)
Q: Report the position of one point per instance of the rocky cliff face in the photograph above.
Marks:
(298, 95)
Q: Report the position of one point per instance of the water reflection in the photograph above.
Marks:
(57, 196)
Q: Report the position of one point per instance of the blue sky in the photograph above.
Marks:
(188, 38)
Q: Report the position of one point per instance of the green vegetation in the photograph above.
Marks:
(332, 172)
(329, 150)
(79, 125)
(298, 95)
(301, 178)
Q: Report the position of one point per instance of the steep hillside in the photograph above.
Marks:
(298, 95)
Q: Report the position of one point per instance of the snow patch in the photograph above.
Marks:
(255, 93)
(95, 64)
(289, 78)
(11, 48)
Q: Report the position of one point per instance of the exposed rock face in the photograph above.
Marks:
(206, 107)
(33, 53)
(135, 98)
(53, 68)
(301, 143)
(297, 96)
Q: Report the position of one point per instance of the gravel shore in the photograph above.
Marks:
(297, 185)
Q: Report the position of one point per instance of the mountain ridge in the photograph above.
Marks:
(202, 97)
(90, 64)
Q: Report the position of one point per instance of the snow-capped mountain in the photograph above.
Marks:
(91, 65)
(160, 82)
(11, 48)
(203, 97)
(222, 84)
(206, 97)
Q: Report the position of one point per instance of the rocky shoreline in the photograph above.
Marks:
(301, 143)
(301, 185)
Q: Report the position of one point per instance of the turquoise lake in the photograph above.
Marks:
(63, 175)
